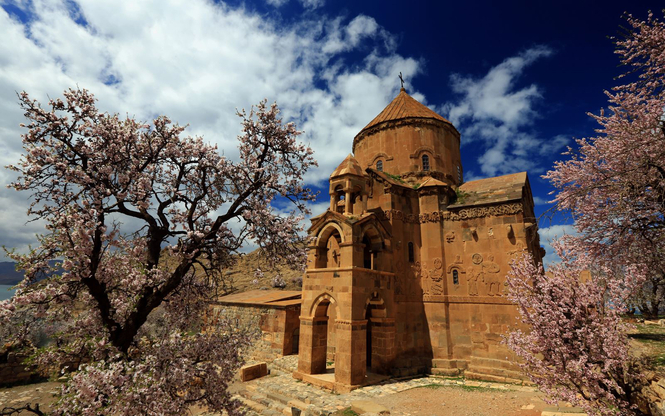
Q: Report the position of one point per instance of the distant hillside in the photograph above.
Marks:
(9, 275)
(239, 278)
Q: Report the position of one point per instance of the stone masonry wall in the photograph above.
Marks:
(13, 371)
(275, 328)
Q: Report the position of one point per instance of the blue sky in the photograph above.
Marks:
(515, 77)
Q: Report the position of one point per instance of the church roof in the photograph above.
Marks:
(402, 107)
(492, 190)
(348, 166)
(272, 298)
(432, 182)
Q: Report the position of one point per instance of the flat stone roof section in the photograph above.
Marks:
(492, 190)
(274, 298)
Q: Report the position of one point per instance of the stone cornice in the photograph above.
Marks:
(455, 215)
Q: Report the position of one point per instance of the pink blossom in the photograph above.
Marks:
(125, 305)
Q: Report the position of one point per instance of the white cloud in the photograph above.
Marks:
(548, 235)
(277, 3)
(196, 62)
(312, 4)
(494, 112)
(540, 201)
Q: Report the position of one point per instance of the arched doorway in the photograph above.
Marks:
(323, 334)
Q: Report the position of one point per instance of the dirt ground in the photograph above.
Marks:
(463, 401)
(440, 401)
(42, 393)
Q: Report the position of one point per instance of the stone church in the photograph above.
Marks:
(406, 269)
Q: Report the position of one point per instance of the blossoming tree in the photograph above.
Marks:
(142, 221)
(614, 187)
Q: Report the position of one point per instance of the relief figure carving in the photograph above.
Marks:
(434, 286)
(490, 278)
(472, 281)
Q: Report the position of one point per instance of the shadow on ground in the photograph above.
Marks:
(648, 337)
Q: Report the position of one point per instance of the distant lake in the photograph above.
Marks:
(5, 293)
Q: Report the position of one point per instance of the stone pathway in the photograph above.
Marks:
(278, 392)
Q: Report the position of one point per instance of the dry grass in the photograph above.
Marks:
(240, 277)
(649, 340)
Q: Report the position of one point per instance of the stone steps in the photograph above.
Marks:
(493, 363)
(482, 375)
(492, 371)
(447, 372)
(270, 402)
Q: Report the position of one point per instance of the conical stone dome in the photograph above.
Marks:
(349, 166)
(401, 107)
(410, 140)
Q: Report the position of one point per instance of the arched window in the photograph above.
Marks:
(459, 174)
(455, 277)
(411, 256)
(425, 162)
(379, 165)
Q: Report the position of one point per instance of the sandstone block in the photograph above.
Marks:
(252, 371)
(368, 406)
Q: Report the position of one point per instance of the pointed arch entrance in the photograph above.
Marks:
(317, 332)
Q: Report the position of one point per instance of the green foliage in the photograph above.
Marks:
(460, 196)
(659, 360)
(395, 177)
(652, 340)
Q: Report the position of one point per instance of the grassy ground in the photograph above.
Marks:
(649, 340)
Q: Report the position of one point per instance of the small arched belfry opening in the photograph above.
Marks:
(372, 247)
(328, 252)
(348, 183)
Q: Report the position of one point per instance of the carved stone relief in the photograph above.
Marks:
(435, 286)
(487, 271)
(490, 271)
(519, 249)
(450, 237)
(416, 269)
(462, 214)
(472, 280)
